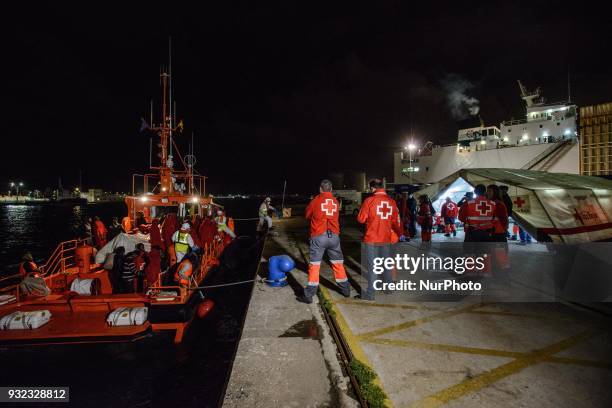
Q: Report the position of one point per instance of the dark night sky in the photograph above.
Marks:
(277, 92)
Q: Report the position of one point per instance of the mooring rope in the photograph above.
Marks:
(223, 285)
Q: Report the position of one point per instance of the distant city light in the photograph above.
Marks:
(545, 134)
(506, 138)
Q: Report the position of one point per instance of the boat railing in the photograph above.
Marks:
(210, 255)
(194, 183)
(62, 258)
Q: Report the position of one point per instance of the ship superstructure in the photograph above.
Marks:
(546, 139)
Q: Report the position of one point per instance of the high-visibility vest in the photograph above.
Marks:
(182, 242)
(480, 214)
(221, 222)
(263, 210)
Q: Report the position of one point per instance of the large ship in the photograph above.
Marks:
(546, 140)
(81, 304)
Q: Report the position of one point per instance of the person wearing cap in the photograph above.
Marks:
(183, 242)
(264, 214)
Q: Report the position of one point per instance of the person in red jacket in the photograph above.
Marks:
(100, 233)
(425, 214)
(449, 212)
(478, 215)
(380, 215)
(323, 213)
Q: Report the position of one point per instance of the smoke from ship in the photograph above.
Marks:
(461, 105)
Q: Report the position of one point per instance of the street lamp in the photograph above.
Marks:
(410, 147)
(17, 186)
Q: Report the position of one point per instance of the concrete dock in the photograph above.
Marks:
(286, 356)
(455, 354)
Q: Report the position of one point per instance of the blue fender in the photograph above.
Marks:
(278, 266)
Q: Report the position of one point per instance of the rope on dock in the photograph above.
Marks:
(223, 285)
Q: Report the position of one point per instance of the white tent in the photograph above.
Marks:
(560, 207)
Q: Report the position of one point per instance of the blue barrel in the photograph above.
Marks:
(278, 266)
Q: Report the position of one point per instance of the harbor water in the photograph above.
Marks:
(152, 372)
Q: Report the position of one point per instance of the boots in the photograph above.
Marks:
(309, 292)
(345, 288)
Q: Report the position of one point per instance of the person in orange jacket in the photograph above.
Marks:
(449, 213)
(99, 232)
(380, 215)
(478, 215)
(323, 213)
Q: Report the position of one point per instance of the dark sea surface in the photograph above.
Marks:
(39, 228)
(152, 372)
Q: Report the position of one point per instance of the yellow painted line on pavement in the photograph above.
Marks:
(351, 339)
(485, 352)
(445, 347)
(527, 315)
(489, 377)
(416, 322)
(388, 305)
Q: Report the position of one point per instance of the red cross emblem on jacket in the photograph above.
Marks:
(384, 210)
(329, 207)
(381, 216)
(323, 214)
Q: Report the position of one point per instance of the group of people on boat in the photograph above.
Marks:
(176, 249)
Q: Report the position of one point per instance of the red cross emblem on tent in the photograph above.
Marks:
(384, 210)
(519, 202)
(329, 207)
(484, 208)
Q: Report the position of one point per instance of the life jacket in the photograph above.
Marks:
(183, 272)
(263, 210)
(480, 214)
(22, 269)
(221, 221)
(182, 242)
(126, 224)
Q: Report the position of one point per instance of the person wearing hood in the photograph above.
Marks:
(183, 242)
(100, 232)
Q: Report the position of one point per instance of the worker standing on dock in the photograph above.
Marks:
(478, 214)
(381, 216)
(449, 213)
(264, 215)
(323, 213)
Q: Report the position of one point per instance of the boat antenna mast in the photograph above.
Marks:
(532, 98)
(166, 129)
